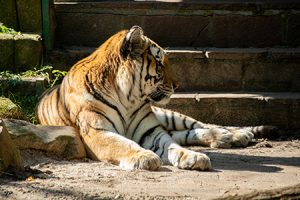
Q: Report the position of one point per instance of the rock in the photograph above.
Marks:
(28, 51)
(10, 158)
(8, 14)
(6, 51)
(30, 15)
(62, 141)
(20, 52)
(10, 110)
(33, 86)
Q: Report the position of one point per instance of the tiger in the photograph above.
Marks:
(114, 98)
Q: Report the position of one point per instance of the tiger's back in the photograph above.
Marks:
(53, 107)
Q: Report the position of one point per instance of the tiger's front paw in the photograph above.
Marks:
(144, 159)
(186, 159)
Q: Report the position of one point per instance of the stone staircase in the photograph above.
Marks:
(238, 62)
(22, 50)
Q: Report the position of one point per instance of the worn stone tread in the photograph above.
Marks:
(218, 69)
(240, 109)
(196, 23)
(20, 52)
(187, 4)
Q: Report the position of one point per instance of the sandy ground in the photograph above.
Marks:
(263, 166)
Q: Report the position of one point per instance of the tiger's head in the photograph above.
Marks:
(152, 77)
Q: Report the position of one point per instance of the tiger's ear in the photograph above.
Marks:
(134, 42)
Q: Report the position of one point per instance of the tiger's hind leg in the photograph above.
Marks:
(213, 137)
(188, 131)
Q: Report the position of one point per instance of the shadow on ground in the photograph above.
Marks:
(238, 162)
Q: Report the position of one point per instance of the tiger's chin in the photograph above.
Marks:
(160, 99)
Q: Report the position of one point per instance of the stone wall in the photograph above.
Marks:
(21, 15)
(23, 50)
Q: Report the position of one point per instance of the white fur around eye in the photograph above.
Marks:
(156, 52)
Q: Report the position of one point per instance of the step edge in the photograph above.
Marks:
(212, 52)
(197, 49)
(192, 5)
(237, 95)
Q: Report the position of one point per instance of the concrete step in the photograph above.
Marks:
(172, 23)
(33, 86)
(20, 52)
(240, 109)
(218, 69)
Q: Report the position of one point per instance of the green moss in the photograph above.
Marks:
(10, 110)
(17, 130)
(70, 146)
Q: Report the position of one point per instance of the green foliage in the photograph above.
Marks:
(8, 109)
(43, 72)
(58, 76)
(4, 29)
(28, 102)
(13, 79)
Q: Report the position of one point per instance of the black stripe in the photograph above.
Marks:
(135, 112)
(63, 92)
(87, 59)
(97, 96)
(141, 77)
(107, 118)
(157, 53)
(99, 129)
(186, 137)
(42, 106)
(163, 149)
(44, 109)
(148, 76)
(107, 46)
(193, 124)
(147, 133)
(156, 140)
(166, 119)
(48, 106)
(132, 85)
(117, 88)
(148, 67)
(173, 121)
(184, 123)
(141, 122)
(60, 114)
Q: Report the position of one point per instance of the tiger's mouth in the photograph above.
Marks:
(160, 96)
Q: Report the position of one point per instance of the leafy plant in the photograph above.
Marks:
(4, 29)
(43, 72)
(27, 102)
(58, 76)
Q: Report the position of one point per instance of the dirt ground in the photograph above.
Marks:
(263, 167)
